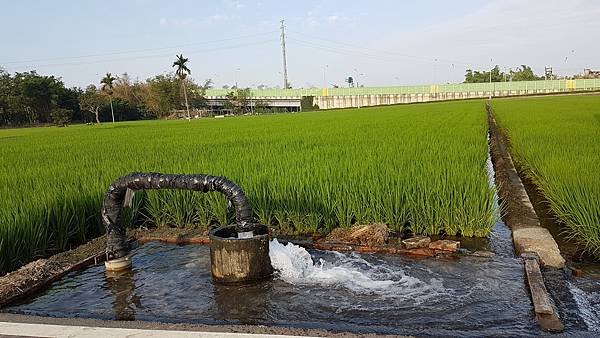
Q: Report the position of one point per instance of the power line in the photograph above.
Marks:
(361, 49)
(139, 50)
(342, 51)
(155, 55)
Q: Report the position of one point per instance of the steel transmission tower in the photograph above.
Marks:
(285, 78)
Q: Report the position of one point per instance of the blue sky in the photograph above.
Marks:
(378, 42)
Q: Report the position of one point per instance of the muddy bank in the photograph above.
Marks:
(36, 275)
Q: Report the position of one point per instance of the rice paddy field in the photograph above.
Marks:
(556, 141)
(418, 168)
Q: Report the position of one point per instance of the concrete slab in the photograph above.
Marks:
(540, 241)
(45, 330)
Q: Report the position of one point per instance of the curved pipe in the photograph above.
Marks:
(116, 239)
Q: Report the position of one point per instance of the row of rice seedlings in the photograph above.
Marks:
(309, 200)
(417, 168)
(557, 142)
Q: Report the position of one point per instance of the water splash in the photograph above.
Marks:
(295, 265)
(589, 306)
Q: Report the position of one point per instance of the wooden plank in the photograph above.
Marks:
(539, 294)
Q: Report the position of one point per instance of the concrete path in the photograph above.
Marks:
(46, 330)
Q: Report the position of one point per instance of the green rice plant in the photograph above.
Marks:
(556, 141)
(419, 168)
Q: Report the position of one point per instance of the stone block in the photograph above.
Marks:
(416, 242)
(445, 245)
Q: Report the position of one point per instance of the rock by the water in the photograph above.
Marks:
(445, 245)
(416, 242)
(370, 234)
(483, 254)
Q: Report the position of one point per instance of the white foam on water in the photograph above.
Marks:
(295, 265)
(588, 304)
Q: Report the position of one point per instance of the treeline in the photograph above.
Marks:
(28, 98)
(32, 99)
(522, 73)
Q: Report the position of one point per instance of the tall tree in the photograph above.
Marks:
(91, 100)
(107, 87)
(182, 72)
(524, 73)
(162, 95)
(475, 76)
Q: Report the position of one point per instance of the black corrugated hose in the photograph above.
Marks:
(116, 239)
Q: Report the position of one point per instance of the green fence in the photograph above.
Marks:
(520, 86)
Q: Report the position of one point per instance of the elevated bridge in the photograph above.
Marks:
(334, 98)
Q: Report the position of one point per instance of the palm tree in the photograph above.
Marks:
(107, 87)
(183, 71)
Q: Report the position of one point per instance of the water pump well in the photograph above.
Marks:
(239, 252)
(240, 257)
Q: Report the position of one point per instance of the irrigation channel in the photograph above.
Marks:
(351, 292)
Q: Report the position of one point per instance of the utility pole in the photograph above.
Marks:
(435, 71)
(285, 79)
(358, 96)
(491, 63)
(490, 84)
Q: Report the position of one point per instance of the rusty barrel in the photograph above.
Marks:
(240, 256)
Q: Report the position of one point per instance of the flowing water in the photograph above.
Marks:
(469, 296)
(586, 293)
(365, 293)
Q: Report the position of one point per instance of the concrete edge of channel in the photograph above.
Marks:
(532, 242)
(528, 234)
